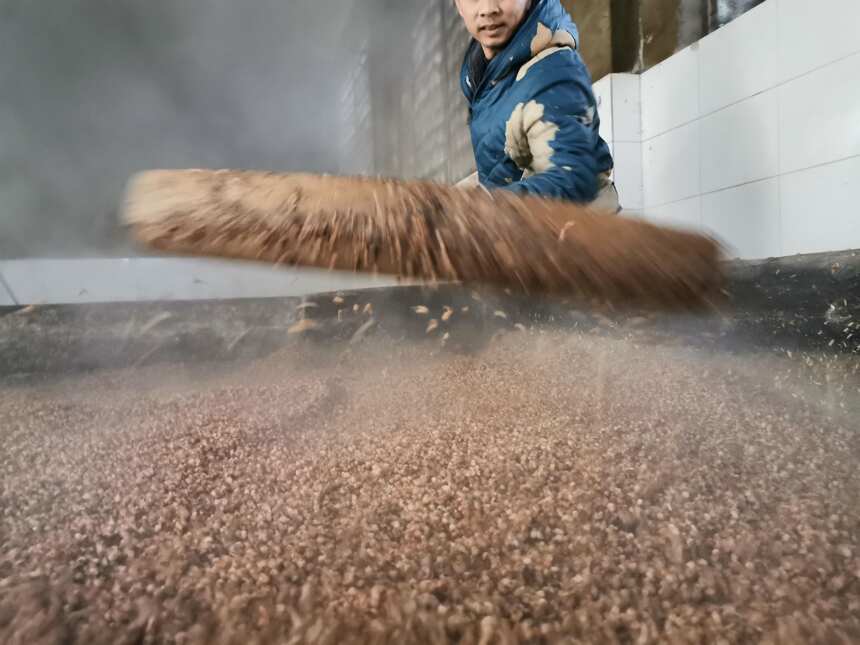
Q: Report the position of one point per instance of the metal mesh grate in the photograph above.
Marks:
(356, 106)
(405, 115)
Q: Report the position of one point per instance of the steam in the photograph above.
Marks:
(95, 90)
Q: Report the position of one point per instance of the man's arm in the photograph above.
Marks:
(552, 136)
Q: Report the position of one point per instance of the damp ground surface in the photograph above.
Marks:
(554, 487)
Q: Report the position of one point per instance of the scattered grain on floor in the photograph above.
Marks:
(554, 488)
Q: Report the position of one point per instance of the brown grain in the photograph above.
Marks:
(556, 488)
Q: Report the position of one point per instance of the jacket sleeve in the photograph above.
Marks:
(553, 137)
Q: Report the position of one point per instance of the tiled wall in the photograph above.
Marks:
(153, 279)
(6, 297)
(620, 126)
(753, 133)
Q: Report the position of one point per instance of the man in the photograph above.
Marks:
(532, 113)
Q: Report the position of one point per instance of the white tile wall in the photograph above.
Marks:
(821, 208)
(148, 279)
(620, 119)
(6, 299)
(819, 116)
(745, 219)
(670, 164)
(739, 60)
(685, 214)
(626, 107)
(754, 133)
(603, 93)
(670, 93)
(628, 174)
(813, 33)
(740, 143)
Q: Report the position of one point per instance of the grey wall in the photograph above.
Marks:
(94, 90)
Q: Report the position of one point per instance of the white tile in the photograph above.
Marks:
(820, 116)
(150, 279)
(740, 59)
(603, 93)
(6, 299)
(603, 85)
(819, 208)
(745, 219)
(812, 34)
(684, 214)
(670, 165)
(626, 107)
(670, 93)
(628, 174)
(741, 143)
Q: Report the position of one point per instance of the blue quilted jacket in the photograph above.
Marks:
(532, 112)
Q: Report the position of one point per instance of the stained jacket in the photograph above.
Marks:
(532, 113)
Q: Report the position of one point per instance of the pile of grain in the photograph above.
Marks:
(556, 488)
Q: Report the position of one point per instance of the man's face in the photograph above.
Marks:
(492, 22)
